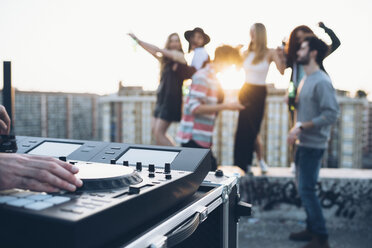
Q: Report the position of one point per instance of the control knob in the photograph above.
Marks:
(63, 158)
(151, 168)
(167, 168)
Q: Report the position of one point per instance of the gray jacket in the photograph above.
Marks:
(317, 103)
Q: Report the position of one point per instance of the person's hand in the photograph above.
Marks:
(240, 46)
(234, 106)
(292, 135)
(286, 99)
(133, 36)
(4, 121)
(280, 52)
(37, 173)
(321, 25)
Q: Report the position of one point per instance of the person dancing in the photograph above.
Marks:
(317, 110)
(169, 94)
(202, 104)
(289, 53)
(197, 39)
(296, 37)
(253, 95)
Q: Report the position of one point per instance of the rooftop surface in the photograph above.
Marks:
(266, 232)
(271, 228)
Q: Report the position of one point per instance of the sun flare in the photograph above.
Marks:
(231, 78)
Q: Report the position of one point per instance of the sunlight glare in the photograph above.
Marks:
(231, 78)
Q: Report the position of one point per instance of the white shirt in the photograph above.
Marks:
(200, 56)
(255, 73)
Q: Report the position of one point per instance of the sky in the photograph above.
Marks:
(82, 46)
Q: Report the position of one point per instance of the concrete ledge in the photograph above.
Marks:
(329, 173)
(345, 194)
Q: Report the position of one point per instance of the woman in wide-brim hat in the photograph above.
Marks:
(197, 39)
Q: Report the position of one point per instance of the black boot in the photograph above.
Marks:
(318, 242)
(301, 236)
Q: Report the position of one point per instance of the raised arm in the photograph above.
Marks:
(158, 52)
(335, 40)
(278, 60)
(174, 55)
(152, 49)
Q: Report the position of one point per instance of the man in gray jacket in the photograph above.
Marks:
(317, 109)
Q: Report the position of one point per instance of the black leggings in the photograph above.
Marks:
(193, 144)
(249, 122)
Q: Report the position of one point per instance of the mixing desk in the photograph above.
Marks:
(124, 186)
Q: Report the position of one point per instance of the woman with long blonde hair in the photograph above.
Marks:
(168, 106)
(252, 95)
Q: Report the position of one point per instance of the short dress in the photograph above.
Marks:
(169, 95)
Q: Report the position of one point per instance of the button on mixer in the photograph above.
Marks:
(39, 205)
(167, 168)
(134, 190)
(63, 158)
(151, 168)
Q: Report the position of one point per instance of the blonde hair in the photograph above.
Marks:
(164, 60)
(259, 44)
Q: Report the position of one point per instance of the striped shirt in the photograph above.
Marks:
(199, 127)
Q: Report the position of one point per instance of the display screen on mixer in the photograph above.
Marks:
(147, 156)
(55, 149)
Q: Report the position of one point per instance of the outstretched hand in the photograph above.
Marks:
(321, 25)
(133, 36)
(37, 173)
(234, 106)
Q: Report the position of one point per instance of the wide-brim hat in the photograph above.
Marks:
(189, 33)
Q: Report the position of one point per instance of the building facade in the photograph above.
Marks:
(56, 115)
(126, 117)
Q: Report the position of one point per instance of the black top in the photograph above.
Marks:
(334, 45)
(169, 95)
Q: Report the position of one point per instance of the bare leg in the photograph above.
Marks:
(259, 152)
(160, 133)
(258, 148)
(153, 125)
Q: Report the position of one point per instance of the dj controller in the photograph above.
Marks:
(124, 186)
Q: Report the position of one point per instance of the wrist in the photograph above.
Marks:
(299, 126)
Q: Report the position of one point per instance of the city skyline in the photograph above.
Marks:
(82, 46)
(126, 117)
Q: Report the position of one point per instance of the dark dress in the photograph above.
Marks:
(169, 95)
(253, 97)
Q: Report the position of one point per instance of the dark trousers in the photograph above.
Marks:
(193, 144)
(249, 122)
(308, 163)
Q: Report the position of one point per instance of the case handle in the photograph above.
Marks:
(184, 232)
